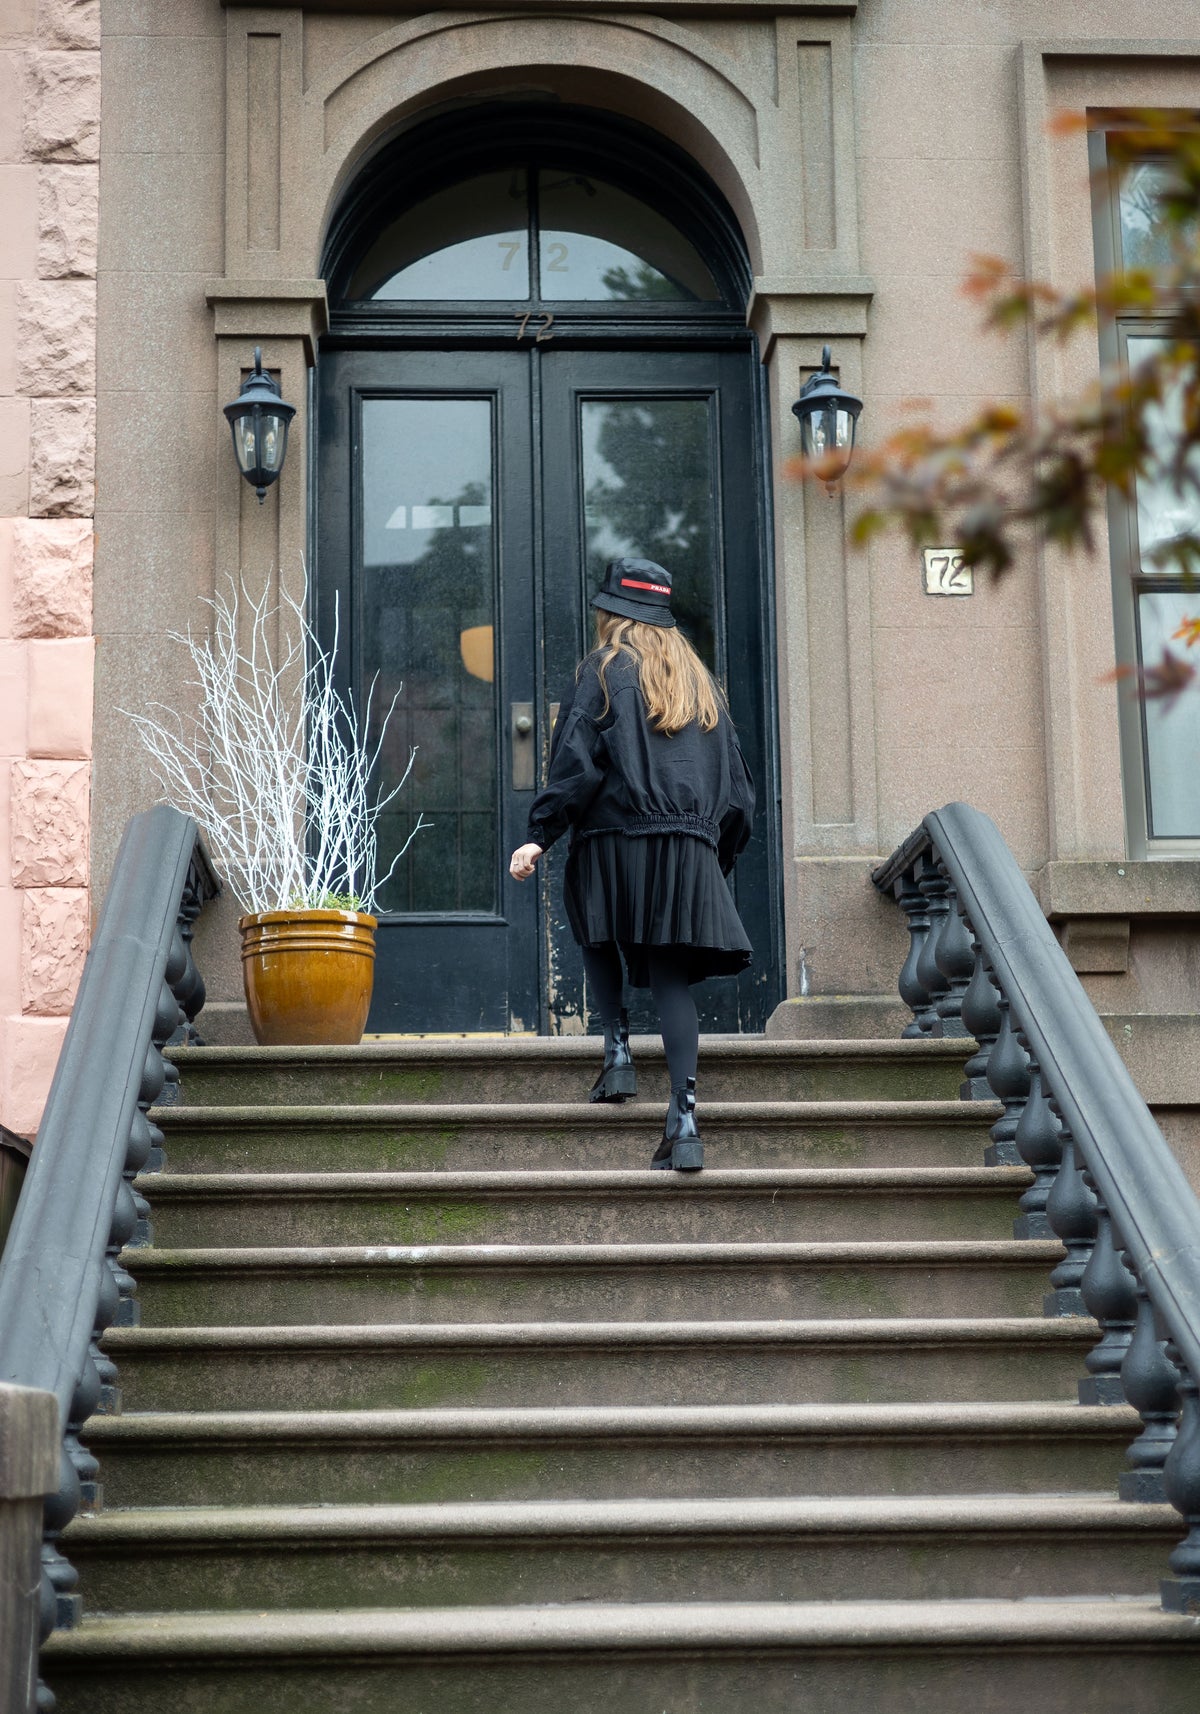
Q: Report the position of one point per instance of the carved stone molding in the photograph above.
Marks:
(820, 308)
(270, 309)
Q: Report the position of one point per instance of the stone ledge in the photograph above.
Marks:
(1127, 889)
(838, 1017)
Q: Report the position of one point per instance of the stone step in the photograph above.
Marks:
(540, 1068)
(805, 1204)
(609, 1452)
(621, 1362)
(470, 1136)
(902, 1657)
(600, 1282)
(879, 1548)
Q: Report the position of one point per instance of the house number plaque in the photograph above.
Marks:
(945, 573)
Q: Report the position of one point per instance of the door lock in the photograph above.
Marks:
(521, 731)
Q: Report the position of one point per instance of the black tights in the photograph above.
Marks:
(672, 996)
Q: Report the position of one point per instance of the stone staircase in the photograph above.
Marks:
(441, 1402)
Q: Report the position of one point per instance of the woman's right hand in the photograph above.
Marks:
(520, 864)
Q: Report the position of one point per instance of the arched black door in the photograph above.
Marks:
(537, 360)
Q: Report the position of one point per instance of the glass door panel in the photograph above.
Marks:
(428, 604)
(649, 492)
(651, 454)
(425, 538)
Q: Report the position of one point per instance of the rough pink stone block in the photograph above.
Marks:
(14, 694)
(62, 106)
(14, 457)
(49, 823)
(56, 337)
(54, 937)
(68, 221)
(62, 458)
(59, 722)
(51, 587)
(69, 23)
(29, 1049)
(10, 950)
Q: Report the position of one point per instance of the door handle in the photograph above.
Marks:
(521, 735)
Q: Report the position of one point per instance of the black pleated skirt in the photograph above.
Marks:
(652, 890)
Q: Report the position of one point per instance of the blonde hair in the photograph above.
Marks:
(676, 685)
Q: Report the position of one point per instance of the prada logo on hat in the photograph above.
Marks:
(632, 583)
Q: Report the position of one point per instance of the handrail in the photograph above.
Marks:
(61, 1282)
(1070, 1103)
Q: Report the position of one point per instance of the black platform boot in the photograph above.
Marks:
(618, 1075)
(681, 1147)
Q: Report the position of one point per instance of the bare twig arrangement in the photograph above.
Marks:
(275, 767)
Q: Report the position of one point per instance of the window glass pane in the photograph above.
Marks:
(428, 614)
(471, 241)
(1171, 731)
(1145, 235)
(599, 243)
(1164, 512)
(648, 487)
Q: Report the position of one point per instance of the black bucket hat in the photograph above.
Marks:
(636, 589)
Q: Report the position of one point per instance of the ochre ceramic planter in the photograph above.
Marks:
(308, 976)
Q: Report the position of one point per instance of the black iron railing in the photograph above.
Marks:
(61, 1278)
(983, 962)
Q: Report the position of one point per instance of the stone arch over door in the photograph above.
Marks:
(635, 426)
(766, 111)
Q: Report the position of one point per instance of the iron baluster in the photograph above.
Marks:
(956, 961)
(1039, 1145)
(1071, 1211)
(1181, 1479)
(912, 903)
(1008, 1078)
(981, 1015)
(1151, 1383)
(1108, 1293)
(936, 889)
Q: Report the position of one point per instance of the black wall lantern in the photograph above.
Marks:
(259, 420)
(828, 420)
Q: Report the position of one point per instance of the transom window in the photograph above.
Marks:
(533, 234)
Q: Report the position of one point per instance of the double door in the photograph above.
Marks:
(467, 504)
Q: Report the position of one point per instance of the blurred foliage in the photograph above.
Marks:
(1006, 471)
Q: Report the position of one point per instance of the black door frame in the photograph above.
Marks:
(448, 148)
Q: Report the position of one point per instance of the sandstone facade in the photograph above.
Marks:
(49, 215)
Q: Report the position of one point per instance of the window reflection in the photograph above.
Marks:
(471, 241)
(1165, 512)
(428, 611)
(1171, 730)
(648, 492)
(1146, 238)
(599, 243)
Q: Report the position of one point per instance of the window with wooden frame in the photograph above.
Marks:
(1160, 740)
